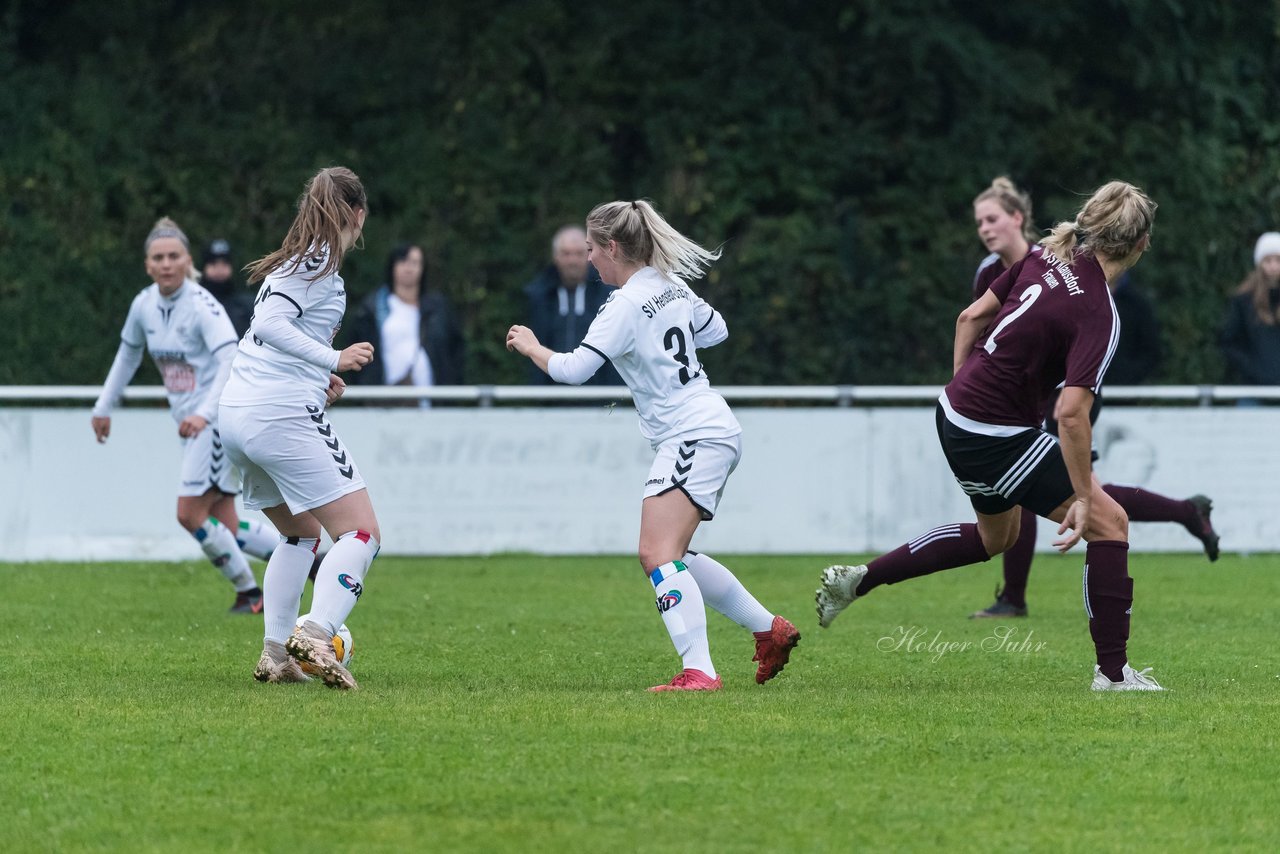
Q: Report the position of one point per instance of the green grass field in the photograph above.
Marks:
(502, 708)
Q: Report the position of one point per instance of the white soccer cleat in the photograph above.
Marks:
(275, 665)
(311, 644)
(1134, 680)
(839, 584)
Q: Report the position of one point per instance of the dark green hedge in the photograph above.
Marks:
(833, 148)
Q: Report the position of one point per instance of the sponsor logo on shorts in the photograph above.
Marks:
(193, 483)
(668, 600)
(351, 584)
(651, 481)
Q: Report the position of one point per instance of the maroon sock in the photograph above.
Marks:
(1143, 506)
(1108, 598)
(1017, 561)
(942, 548)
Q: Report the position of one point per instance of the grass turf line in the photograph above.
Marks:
(503, 708)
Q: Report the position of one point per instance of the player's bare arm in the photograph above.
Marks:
(970, 325)
(1076, 436)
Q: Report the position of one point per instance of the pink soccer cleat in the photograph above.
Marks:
(773, 649)
(690, 680)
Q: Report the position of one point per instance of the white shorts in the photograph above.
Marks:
(205, 465)
(288, 453)
(699, 468)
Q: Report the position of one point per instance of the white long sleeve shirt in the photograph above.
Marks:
(190, 338)
(287, 354)
(650, 329)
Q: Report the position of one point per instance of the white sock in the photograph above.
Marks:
(282, 585)
(680, 604)
(340, 580)
(257, 538)
(220, 547)
(724, 592)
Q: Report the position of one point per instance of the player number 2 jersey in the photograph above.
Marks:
(1056, 325)
(649, 329)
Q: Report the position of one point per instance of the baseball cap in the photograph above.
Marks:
(217, 249)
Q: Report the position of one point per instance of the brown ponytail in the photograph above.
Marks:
(326, 209)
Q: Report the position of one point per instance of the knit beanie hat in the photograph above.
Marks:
(1268, 244)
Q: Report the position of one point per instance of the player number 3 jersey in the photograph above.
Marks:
(650, 330)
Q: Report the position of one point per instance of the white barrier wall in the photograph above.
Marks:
(568, 480)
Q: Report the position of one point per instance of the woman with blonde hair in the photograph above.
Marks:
(296, 469)
(650, 328)
(192, 342)
(1002, 213)
(1048, 317)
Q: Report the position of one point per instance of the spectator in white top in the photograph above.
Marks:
(416, 334)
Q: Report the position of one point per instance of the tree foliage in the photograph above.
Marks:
(834, 149)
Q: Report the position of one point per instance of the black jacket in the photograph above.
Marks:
(438, 331)
(564, 334)
(1252, 348)
(236, 299)
(1138, 353)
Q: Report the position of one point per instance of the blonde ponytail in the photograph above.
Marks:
(1111, 223)
(644, 237)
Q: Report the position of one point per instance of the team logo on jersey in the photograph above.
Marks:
(351, 584)
(668, 600)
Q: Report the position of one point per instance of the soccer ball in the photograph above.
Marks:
(343, 646)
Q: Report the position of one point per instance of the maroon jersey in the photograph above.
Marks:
(989, 270)
(1054, 322)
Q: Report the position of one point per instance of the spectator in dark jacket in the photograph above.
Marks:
(218, 275)
(1251, 335)
(416, 338)
(1138, 352)
(564, 299)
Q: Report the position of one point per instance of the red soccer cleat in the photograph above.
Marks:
(690, 680)
(773, 649)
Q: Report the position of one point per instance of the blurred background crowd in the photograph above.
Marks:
(833, 148)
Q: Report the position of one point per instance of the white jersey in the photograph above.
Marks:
(184, 333)
(650, 329)
(287, 353)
